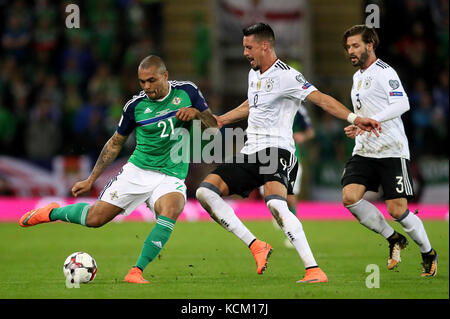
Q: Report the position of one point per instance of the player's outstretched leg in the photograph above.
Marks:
(293, 229)
(210, 199)
(83, 214)
(37, 216)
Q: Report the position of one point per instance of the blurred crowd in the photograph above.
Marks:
(416, 40)
(62, 90)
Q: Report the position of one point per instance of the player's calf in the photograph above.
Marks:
(292, 227)
(101, 213)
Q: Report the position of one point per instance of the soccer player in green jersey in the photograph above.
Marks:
(150, 175)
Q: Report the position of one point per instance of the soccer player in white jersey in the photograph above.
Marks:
(378, 93)
(275, 91)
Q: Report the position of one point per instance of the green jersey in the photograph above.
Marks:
(155, 123)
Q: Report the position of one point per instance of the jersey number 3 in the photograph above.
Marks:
(400, 188)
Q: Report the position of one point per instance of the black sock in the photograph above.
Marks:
(394, 237)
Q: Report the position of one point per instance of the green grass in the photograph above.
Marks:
(203, 261)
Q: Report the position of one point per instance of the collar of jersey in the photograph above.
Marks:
(163, 98)
(370, 66)
(269, 69)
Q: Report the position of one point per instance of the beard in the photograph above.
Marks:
(361, 60)
(255, 68)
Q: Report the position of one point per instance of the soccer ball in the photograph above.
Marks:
(80, 267)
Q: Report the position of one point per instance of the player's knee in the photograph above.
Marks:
(350, 198)
(396, 209)
(204, 193)
(172, 211)
(94, 220)
(200, 193)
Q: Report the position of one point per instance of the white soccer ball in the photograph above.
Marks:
(80, 267)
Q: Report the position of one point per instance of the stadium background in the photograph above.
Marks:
(62, 90)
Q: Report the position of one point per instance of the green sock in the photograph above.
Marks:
(76, 213)
(293, 210)
(155, 241)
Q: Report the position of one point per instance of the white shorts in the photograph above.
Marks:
(133, 186)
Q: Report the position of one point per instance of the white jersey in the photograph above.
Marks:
(274, 98)
(374, 90)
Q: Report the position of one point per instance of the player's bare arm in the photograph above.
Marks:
(189, 113)
(207, 118)
(107, 156)
(335, 108)
(239, 113)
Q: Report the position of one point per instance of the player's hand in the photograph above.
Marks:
(368, 125)
(220, 122)
(187, 114)
(352, 131)
(81, 187)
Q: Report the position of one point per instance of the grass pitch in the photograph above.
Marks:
(203, 261)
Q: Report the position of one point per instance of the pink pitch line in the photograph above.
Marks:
(12, 209)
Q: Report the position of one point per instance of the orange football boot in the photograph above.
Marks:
(314, 275)
(261, 252)
(134, 276)
(37, 216)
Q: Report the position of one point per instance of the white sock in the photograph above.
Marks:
(293, 229)
(369, 216)
(223, 214)
(413, 226)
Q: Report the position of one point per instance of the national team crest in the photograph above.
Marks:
(176, 100)
(367, 83)
(269, 85)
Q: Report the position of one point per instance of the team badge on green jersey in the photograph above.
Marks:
(176, 100)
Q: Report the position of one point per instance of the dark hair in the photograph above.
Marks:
(261, 31)
(369, 35)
